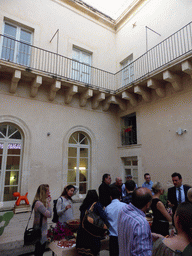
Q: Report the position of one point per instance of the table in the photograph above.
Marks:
(72, 251)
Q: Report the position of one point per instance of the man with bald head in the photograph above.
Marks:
(134, 234)
(117, 184)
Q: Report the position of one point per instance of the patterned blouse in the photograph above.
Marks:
(39, 209)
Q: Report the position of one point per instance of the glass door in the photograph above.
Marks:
(10, 161)
(16, 44)
(81, 66)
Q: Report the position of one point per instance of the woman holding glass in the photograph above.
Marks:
(65, 205)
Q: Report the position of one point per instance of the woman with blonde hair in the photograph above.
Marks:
(42, 211)
(161, 218)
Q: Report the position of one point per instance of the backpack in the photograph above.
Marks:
(55, 215)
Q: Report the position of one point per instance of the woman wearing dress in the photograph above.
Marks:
(161, 218)
(42, 211)
(65, 205)
(180, 244)
(87, 244)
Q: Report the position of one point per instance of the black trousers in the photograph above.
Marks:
(113, 246)
(39, 249)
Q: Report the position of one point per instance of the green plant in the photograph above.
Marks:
(163, 198)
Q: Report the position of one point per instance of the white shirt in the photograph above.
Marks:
(64, 215)
(182, 194)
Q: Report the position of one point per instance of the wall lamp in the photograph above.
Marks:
(181, 131)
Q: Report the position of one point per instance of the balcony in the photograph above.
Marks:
(164, 62)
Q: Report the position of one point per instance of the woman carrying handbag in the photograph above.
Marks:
(42, 208)
(86, 243)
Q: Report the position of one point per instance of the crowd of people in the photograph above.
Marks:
(123, 208)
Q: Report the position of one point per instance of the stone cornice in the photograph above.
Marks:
(100, 17)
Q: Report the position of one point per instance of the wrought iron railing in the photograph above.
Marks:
(56, 65)
(173, 47)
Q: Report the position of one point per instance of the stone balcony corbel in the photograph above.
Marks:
(14, 81)
(70, 92)
(156, 85)
(85, 96)
(187, 67)
(114, 100)
(54, 88)
(97, 99)
(130, 97)
(35, 85)
(143, 92)
(174, 79)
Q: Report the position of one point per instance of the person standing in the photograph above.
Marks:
(178, 193)
(42, 211)
(181, 243)
(117, 184)
(87, 244)
(148, 182)
(134, 234)
(112, 211)
(128, 177)
(129, 186)
(161, 217)
(105, 190)
(65, 205)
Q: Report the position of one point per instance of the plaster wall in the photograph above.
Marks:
(47, 155)
(160, 150)
(164, 17)
(46, 16)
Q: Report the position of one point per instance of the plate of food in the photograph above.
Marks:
(73, 224)
(66, 244)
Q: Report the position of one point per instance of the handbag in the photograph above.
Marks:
(32, 235)
(94, 224)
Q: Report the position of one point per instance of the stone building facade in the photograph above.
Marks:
(82, 94)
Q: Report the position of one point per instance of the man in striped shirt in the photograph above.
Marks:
(134, 234)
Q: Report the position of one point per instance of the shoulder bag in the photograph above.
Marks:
(94, 224)
(32, 235)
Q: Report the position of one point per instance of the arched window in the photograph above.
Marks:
(79, 161)
(11, 143)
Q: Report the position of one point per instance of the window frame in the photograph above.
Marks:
(127, 70)
(18, 42)
(131, 167)
(78, 146)
(129, 129)
(6, 141)
(81, 70)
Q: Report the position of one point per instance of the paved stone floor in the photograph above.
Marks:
(11, 241)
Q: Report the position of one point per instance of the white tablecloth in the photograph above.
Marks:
(72, 251)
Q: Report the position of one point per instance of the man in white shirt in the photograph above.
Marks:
(112, 211)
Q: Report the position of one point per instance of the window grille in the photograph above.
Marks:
(129, 130)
